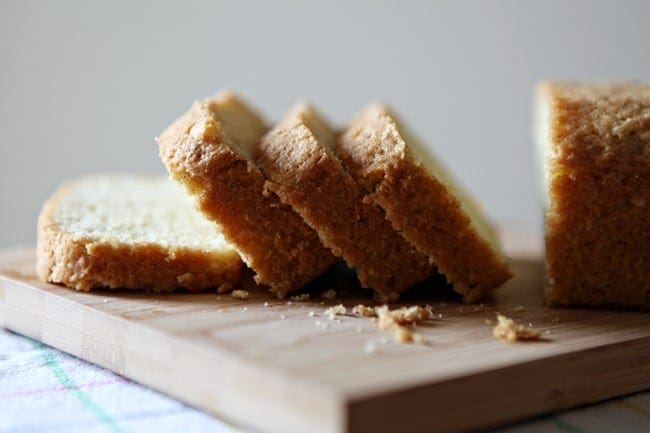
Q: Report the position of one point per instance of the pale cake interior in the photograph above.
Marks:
(137, 210)
(544, 149)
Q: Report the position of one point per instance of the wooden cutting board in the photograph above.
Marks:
(275, 367)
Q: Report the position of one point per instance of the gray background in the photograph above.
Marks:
(86, 86)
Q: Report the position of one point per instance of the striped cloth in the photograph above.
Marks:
(45, 390)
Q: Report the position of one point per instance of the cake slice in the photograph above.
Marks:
(594, 143)
(297, 158)
(134, 232)
(209, 150)
(422, 202)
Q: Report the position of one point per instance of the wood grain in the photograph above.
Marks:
(277, 369)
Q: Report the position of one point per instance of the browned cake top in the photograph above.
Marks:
(599, 123)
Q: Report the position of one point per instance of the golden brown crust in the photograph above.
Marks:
(597, 221)
(420, 207)
(200, 150)
(600, 124)
(302, 170)
(86, 264)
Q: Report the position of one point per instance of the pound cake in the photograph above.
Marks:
(134, 232)
(208, 150)
(422, 202)
(297, 158)
(594, 143)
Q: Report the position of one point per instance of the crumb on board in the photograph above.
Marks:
(240, 294)
(301, 298)
(508, 330)
(364, 311)
(312, 313)
(395, 320)
(489, 322)
(402, 316)
(328, 294)
(403, 334)
(519, 308)
(337, 310)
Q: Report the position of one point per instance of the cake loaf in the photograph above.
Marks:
(594, 145)
(209, 150)
(422, 201)
(131, 232)
(298, 159)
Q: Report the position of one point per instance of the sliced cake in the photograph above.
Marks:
(134, 232)
(297, 158)
(594, 143)
(209, 150)
(422, 201)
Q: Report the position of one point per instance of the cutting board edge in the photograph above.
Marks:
(335, 411)
(553, 396)
(329, 405)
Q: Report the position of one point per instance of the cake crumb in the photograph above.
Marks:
(395, 320)
(240, 294)
(489, 322)
(329, 294)
(364, 311)
(312, 313)
(266, 304)
(555, 320)
(403, 335)
(507, 330)
(301, 298)
(519, 308)
(401, 316)
(334, 311)
(282, 317)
